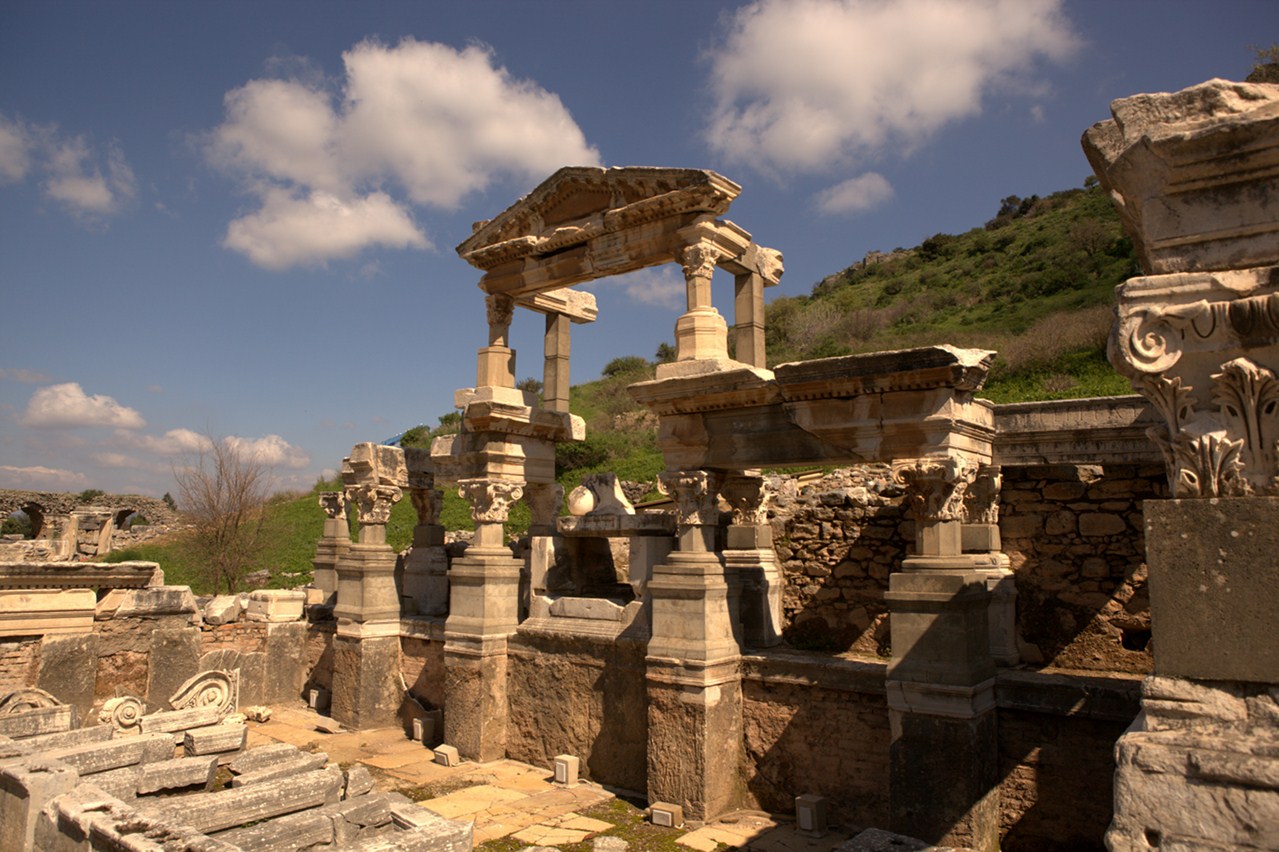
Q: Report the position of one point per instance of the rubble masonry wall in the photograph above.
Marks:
(1073, 534)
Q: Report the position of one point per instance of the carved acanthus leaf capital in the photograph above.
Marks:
(748, 498)
(696, 495)
(699, 260)
(427, 502)
(935, 488)
(490, 499)
(981, 498)
(373, 502)
(334, 504)
(499, 308)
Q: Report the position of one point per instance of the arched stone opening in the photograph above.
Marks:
(18, 523)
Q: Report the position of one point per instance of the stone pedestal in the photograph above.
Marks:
(331, 547)
(366, 682)
(484, 597)
(944, 781)
(367, 603)
(426, 567)
(694, 673)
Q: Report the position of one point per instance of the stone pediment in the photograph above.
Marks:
(580, 202)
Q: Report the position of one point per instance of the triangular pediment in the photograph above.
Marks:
(578, 203)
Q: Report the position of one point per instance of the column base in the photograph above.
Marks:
(366, 682)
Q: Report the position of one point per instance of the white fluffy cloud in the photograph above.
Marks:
(40, 478)
(855, 194)
(175, 442)
(804, 85)
(270, 450)
(662, 286)
(68, 405)
(291, 230)
(424, 118)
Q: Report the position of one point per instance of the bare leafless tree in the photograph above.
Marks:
(223, 493)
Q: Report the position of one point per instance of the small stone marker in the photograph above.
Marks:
(666, 815)
(566, 768)
(446, 755)
(810, 814)
(318, 698)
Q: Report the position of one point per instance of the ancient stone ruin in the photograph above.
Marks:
(1031, 626)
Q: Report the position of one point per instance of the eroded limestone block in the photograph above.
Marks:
(275, 605)
(33, 612)
(215, 739)
(223, 809)
(223, 609)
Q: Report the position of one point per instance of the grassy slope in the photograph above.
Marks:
(1036, 284)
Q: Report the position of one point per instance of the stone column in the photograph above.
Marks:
(754, 580)
(701, 333)
(1198, 336)
(980, 534)
(694, 671)
(483, 613)
(943, 756)
(426, 582)
(555, 374)
(366, 649)
(496, 362)
(748, 319)
(330, 549)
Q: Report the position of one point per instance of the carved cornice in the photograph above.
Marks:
(490, 499)
(374, 502)
(935, 488)
(696, 495)
(334, 504)
(1152, 338)
(748, 498)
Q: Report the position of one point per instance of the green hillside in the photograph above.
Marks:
(1036, 283)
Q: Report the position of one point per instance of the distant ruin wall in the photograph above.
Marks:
(1073, 534)
(60, 503)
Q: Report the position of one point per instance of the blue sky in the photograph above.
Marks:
(238, 218)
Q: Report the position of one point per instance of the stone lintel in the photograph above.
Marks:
(1099, 430)
(80, 575)
(578, 305)
(935, 699)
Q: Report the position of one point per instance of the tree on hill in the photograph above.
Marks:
(224, 494)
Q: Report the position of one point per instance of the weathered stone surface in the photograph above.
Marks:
(359, 781)
(172, 658)
(366, 683)
(215, 739)
(222, 609)
(24, 790)
(38, 720)
(275, 605)
(176, 774)
(229, 808)
(282, 768)
(1187, 169)
(171, 721)
(35, 612)
(68, 669)
(262, 757)
(285, 663)
(1212, 592)
(158, 601)
(91, 758)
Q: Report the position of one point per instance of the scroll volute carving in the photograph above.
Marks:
(490, 500)
(748, 497)
(935, 488)
(696, 495)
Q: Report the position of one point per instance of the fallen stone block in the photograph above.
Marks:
(355, 816)
(275, 605)
(38, 720)
(158, 600)
(262, 757)
(61, 739)
(222, 609)
(120, 783)
(178, 721)
(24, 791)
(359, 781)
(295, 831)
(442, 836)
(176, 774)
(92, 758)
(215, 739)
(284, 768)
(224, 809)
(63, 824)
(447, 755)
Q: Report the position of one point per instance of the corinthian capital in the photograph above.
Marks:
(334, 504)
(699, 260)
(490, 499)
(696, 494)
(981, 498)
(374, 502)
(748, 498)
(935, 488)
(500, 308)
